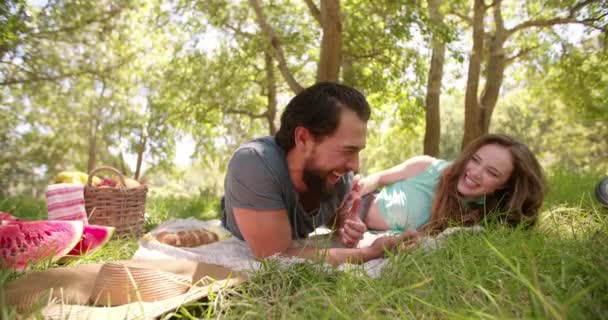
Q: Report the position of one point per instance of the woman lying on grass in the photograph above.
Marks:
(495, 175)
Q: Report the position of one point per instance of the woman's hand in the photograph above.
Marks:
(365, 185)
(406, 240)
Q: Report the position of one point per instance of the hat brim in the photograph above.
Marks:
(64, 293)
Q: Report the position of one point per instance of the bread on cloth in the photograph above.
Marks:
(187, 238)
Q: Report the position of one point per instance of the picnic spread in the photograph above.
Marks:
(180, 260)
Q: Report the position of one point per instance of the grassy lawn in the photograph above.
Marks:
(556, 271)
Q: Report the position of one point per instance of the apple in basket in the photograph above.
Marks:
(129, 183)
(107, 183)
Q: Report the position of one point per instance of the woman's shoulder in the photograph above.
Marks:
(422, 161)
(424, 165)
(417, 165)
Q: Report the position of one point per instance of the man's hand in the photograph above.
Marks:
(350, 226)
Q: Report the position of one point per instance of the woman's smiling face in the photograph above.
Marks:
(488, 170)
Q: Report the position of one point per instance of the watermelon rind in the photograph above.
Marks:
(94, 237)
(5, 216)
(24, 243)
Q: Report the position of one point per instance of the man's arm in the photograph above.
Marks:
(266, 231)
(269, 232)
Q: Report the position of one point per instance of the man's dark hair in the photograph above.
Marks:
(318, 108)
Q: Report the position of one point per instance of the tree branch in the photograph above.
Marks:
(519, 54)
(104, 17)
(238, 31)
(277, 47)
(365, 55)
(463, 17)
(560, 20)
(498, 20)
(314, 11)
(246, 112)
(38, 77)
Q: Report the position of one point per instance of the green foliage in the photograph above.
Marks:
(13, 20)
(557, 134)
(136, 76)
(580, 79)
(24, 207)
(81, 76)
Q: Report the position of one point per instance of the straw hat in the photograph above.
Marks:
(125, 289)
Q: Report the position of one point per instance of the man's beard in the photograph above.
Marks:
(316, 182)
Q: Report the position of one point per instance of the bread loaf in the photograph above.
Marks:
(187, 238)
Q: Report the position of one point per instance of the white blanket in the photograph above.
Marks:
(233, 253)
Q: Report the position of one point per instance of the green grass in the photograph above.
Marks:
(556, 271)
(159, 209)
(24, 207)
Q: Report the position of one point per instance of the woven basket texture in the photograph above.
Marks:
(121, 207)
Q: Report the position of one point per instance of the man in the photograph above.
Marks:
(281, 188)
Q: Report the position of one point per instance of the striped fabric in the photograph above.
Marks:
(65, 201)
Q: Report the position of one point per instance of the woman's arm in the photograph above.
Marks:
(407, 169)
(337, 256)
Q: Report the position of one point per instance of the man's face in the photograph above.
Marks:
(335, 155)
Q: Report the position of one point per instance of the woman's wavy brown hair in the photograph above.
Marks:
(518, 202)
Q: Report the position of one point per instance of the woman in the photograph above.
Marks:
(495, 175)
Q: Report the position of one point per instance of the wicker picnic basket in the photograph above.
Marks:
(120, 207)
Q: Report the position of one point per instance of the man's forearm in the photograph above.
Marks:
(334, 256)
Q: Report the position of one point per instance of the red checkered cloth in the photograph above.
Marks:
(65, 201)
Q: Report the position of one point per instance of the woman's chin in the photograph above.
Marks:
(467, 193)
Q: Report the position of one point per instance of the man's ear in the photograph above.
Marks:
(302, 137)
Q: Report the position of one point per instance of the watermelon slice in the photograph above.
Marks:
(5, 216)
(23, 243)
(94, 237)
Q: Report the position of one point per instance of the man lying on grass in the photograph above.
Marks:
(282, 188)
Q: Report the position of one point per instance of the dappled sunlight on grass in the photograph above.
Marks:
(573, 222)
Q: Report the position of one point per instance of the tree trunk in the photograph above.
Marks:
(94, 110)
(141, 148)
(123, 165)
(497, 61)
(271, 92)
(472, 112)
(432, 131)
(91, 163)
(277, 47)
(348, 76)
(331, 42)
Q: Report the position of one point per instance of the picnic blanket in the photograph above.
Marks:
(234, 253)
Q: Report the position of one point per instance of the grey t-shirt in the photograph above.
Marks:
(258, 178)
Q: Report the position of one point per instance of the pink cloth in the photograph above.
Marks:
(65, 201)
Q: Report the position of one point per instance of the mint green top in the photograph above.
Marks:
(406, 204)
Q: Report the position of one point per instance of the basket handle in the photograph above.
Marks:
(106, 168)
